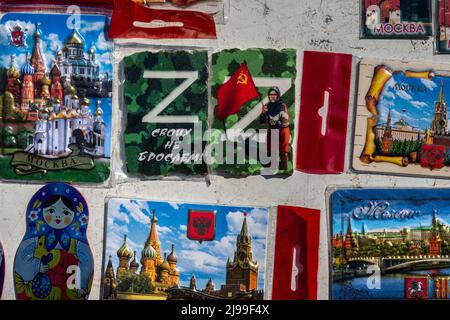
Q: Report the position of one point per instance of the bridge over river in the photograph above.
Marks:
(391, 264)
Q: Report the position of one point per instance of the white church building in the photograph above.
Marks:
(59, 126)
(72, 60)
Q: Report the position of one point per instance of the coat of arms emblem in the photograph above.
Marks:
(201, 225)
(18, 36)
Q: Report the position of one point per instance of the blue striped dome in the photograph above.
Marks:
(28, 69)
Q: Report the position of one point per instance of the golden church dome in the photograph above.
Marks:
(13, 72)
(70, 90)
(165, 265)
(52, 116)
(85, 102)
(62, 115)
(125, 251)
(75, 38)
(46, 80)
(72, 114)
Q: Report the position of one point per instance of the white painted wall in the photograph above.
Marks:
(302, 24)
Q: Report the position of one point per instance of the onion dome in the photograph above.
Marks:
(43, 114)
(125, 251)
(165, 265)
(99, 112)
(85, 102)
(75, 38)
(46, 80)
(28, 68)
(13, 72)
(70, 90)
(55, 71)
(52, 116)
(92, 48)
(62, 115)
(172, 257)
(72, 114)
(149, 252)
(75, 97)
(134, 263)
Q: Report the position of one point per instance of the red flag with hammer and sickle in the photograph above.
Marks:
(234, 93)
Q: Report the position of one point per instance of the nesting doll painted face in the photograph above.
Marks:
(2, 269)
(54, 261)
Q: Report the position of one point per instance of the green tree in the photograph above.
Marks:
(8, 139)
(129, 282)
(22, 138)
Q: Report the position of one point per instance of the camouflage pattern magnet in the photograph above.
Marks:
(166, 99)
(249, 132)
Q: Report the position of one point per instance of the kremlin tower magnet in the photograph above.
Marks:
(151, 253)
(55, 98)
(54, 260)
(401, 122)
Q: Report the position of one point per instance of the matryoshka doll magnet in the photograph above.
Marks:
(54, 260)
(2, 269)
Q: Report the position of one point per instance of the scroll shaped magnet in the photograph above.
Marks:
(324, 112)
(2, 269)
(54, 260)
(296, 254)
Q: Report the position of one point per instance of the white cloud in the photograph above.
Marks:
(136, 210)
(389, 94)
(91, 26)
(102, 44)
(55, 42)
(404, 95)
(201, 261)
(163, 229)
(419, 104)
(429, 84)
(183, 227)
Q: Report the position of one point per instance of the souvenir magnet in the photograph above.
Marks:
(253, 94)
(214, 8)
(132, 22)
(387, 244)
(56, 98)
(396, 18)
(166, 99)
(324, 112)
(401, 120)
(54, 260)
(151, 243)
(296, 254)
(443, 26)
(2, 269)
